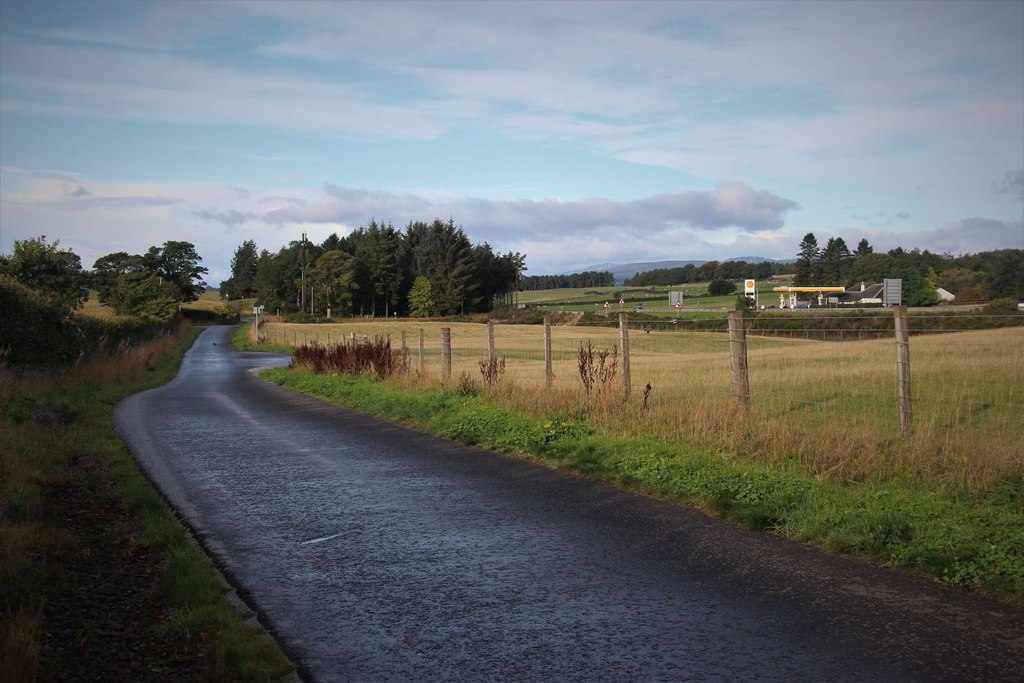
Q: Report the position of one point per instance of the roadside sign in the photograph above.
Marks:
(892, 294)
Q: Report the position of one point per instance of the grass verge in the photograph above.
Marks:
(98, 580)
(962, 536)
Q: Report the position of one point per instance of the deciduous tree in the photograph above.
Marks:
(421, 298)
(56, 273)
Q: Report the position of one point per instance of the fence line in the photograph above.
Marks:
(962, 378)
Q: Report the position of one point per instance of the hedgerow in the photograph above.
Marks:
(833, 325)
(40, 333)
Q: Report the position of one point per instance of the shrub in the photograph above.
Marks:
(600, 373)
(492, 370)
(721, 287)
(1002, 307)
(350, 357)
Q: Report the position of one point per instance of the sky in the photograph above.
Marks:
(576, 133)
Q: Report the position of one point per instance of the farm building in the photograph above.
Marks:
(867, 294)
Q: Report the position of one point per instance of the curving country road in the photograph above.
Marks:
(378, 553)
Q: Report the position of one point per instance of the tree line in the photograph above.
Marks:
(155, 283)
(590, 278)
(970, 277)
(427, 269)
(711, 270)
(41, 285)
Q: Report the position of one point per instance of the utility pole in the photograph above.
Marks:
(303, 264)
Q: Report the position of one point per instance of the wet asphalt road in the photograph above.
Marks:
(377, 553)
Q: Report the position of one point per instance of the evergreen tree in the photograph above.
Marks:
(835, 262)
(863, 249)
(276, 278)
(333, 277)
(378, 251)
(443, 255)
(807, 261)
(244, 264)
(1006, 275)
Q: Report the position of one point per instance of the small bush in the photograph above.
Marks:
(492, 369)
(600, 373)
(375, 358)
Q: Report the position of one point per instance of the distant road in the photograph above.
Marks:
(378, 553)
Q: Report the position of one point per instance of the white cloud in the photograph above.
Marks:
(731, 204)
(106, 84)
(826, 104)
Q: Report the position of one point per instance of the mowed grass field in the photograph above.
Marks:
(828, 406)
(654, 299)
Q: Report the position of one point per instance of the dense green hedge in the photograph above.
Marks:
(39, 333)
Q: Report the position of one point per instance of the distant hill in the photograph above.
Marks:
(621, 271)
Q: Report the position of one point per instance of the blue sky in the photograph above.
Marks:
(577, 133)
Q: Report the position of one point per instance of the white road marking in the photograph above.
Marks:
(320, 540)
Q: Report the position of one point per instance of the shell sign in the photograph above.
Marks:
(749, 287)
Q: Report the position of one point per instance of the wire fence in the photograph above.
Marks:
(797, 371)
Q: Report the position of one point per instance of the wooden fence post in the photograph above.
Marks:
(405, 353)
(549, 376)
(903, 371)
(490, 341)
(738, 355)
(624, 343)
(421, 350)
(446, 352)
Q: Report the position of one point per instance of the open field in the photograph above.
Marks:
(830, 405)
(208, 300)
(592, 299)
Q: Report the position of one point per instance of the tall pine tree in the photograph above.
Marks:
(807, 262)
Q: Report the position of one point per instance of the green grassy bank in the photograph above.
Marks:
(98, 581)
(972, 538)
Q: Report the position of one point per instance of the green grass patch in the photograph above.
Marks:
(243, 342)
(970, 538)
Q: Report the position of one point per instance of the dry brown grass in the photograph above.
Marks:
(829, 406)
(209, 301)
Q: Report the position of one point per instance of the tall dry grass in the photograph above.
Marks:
(829, 407)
